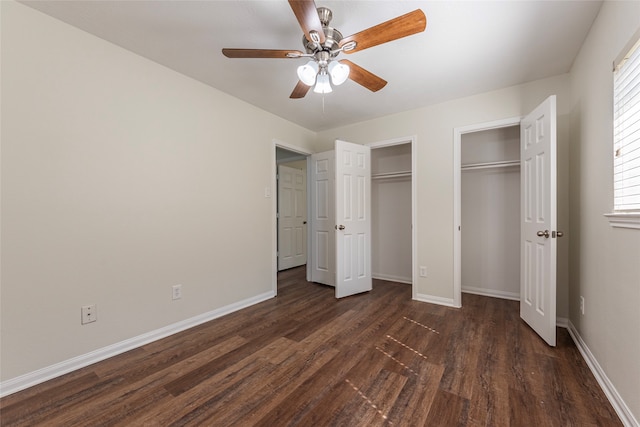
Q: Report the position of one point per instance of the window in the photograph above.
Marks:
(626, 137)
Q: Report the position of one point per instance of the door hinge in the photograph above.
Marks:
(277, 215)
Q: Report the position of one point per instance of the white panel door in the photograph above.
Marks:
(353, 218)
(538, 220)
(292, 218)
(322, 257)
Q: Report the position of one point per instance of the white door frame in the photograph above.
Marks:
(413, 140)
(457, 196)
(274, 206)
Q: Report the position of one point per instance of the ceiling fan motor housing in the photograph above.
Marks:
(332, 36)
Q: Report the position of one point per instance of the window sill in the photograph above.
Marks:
(624, 219)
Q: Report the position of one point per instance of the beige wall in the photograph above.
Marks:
(433, 127)
(117, 184)
(605, 261)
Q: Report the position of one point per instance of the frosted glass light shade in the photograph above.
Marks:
(322, 83)
(339, 72)
(307, 73)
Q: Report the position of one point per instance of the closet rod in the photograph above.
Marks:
(488, 165)
(391, 175)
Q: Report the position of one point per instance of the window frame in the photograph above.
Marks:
(623, 218)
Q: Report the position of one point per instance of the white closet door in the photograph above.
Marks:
(538, 222)
(322, 257)
(353, 218)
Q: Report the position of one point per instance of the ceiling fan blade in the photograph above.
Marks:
(261, 53)
(299, 91)
(364, 77)
(307, 14)
(396, 28)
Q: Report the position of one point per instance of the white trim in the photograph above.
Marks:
(562, 322)
(431, 299)
(494, 293)
(621, 408)
(391, 278)
(624, 219)
(41, 375)
(413, 140)
(457, 195)
(275, 143)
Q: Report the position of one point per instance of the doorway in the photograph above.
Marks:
(391, 237)
(477, 162)
(394, 215)
(538, 214)
(291, 215)
(294, 236)
(490, 212)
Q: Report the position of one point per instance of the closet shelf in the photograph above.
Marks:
(504, 164)
(384, 175)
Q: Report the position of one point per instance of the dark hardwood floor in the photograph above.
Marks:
(307, 359)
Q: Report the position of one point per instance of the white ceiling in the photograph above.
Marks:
(468, 47)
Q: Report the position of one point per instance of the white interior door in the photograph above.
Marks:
(322, 256)
(353, 218)
(292, 217)
(538, 221)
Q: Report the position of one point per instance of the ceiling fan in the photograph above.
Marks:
(323, 44)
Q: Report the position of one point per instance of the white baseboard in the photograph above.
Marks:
(436, 300)
(392, 278)
(610, 391)
(41, 375)
(515, 296)
(562, 322)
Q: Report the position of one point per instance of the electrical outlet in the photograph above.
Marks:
(581, 305)
(89, 314)
(423, 271)
(176, 292)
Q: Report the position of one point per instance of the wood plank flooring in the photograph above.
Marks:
(306, 359)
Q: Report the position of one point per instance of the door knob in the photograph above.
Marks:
(544, 233)
(304, 222)
(340, 227)
(559, 233)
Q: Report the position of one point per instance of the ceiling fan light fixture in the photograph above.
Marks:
(307, 73)
(339, 72)
(322, 83)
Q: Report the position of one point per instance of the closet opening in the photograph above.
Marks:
(490, 212)
(391, 212)
(486, 165)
